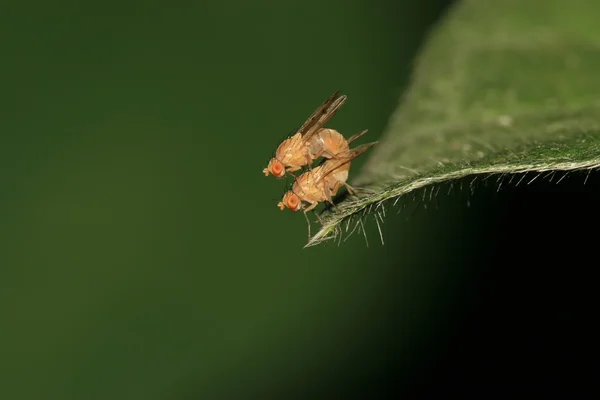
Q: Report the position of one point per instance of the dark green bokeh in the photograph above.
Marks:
(142, 254)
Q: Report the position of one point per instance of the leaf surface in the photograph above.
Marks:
(501, 87)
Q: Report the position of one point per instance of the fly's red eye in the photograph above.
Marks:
(277, 168)
(293, 202)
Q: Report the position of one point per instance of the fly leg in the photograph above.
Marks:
(293, 176)
(312, 205)
(308, 224)
(308, 159)
(328, 155)
(327, 194)
(353, 191)
(307, 209)
(350, 189)
(319, 218)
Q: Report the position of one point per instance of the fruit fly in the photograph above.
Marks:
(311, 141)
(322, 183)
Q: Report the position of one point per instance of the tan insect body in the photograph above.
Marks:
(322, 183)
(311, 141)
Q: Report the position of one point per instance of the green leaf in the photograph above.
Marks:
(501, 87)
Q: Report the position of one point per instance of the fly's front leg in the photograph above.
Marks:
(308, 224)
(289, 172)
(307, 209)
(312, 205)
(292, 168)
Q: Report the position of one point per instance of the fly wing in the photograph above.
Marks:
(322, 115)
(344, 158)
(356, 136)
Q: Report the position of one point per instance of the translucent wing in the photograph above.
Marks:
(313, 118)
(356, 136)
(344, 158)
(322, 115)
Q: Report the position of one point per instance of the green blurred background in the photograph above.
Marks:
(142, 253)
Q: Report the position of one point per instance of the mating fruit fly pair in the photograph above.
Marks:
(312, 141)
